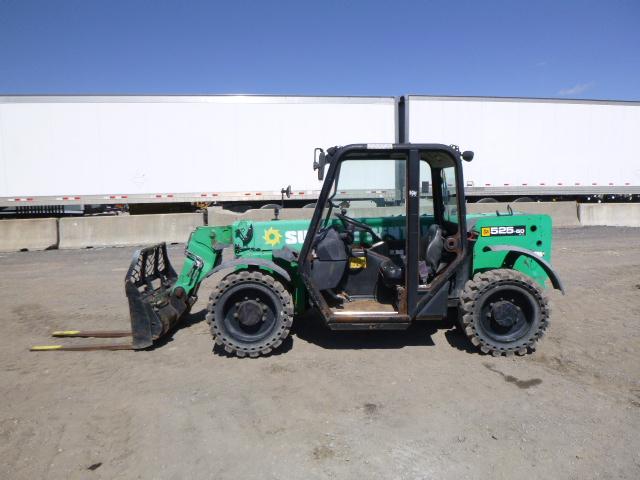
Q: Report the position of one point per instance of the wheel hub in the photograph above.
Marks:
(505, 313)
(250, 312)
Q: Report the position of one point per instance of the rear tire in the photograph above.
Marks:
(250, 313)
(503, 312)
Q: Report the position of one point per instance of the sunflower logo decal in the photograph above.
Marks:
(272, 236)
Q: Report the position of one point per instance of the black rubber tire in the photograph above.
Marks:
(480, 289)
(281, 307)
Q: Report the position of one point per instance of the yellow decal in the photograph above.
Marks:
(272, 236)
(358, 262)
(486, 231)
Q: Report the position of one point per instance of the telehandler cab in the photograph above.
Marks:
(389, 244)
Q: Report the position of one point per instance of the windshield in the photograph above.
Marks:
(364, 186)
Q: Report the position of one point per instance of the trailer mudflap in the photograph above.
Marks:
(153, 306)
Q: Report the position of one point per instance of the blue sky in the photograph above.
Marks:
(571, 49)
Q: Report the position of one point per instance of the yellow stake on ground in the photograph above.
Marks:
(42, 348)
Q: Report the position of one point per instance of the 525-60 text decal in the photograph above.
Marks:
(504, 231)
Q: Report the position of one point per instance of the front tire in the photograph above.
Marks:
(250, 313)
(503, 312)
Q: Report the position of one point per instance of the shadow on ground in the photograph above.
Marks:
(186, 322)
(458, 340)
(310, 327)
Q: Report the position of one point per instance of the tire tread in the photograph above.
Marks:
(266, 346)
(480, 283)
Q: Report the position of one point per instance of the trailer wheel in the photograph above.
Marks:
(250, 313)
(503, 312)
(523, 199)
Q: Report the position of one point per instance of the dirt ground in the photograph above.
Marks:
(419, 404)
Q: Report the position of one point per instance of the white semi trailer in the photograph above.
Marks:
(237, 149)
(241, 150)
(536, 148)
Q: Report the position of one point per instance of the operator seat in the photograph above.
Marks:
(431, 248)
(330, 264)
(433, 244)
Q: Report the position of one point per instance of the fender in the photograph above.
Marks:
(252, 262)
(513, 253)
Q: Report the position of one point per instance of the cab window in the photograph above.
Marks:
(449, 195)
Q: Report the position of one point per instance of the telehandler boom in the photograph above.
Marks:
(367, 260)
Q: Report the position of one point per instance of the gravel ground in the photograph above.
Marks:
(417, 404)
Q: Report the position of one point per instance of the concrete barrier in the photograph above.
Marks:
(219, 217)
(563, 214)
(28, 234)
(610, 214)
(46, 233)
(127, 229)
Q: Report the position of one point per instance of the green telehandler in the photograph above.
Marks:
(389, 244)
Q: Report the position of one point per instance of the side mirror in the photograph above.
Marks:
(283, 192)
(467, 155)
(319, 162)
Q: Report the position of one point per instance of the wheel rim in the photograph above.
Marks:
(249, 312)
(507, 313)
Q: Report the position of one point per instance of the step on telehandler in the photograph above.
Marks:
(389, 244)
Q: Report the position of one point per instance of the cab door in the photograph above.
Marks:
(360, 225)
(442, 240)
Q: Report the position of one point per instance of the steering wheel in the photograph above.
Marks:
(351, 224)
(357, 225)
